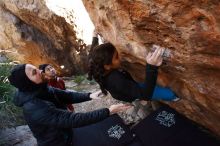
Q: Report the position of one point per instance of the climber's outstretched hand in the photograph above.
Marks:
(155, 58)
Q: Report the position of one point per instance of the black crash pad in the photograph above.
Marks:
(109, 132)
(166, 127)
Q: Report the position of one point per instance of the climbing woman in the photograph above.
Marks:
(104, 68)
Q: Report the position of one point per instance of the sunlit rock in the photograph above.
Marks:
(190, 29)
(31, 33)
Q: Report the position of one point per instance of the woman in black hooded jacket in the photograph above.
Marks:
(45, 110)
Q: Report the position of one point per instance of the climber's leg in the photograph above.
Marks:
(162, 93)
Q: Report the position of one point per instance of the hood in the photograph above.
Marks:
(21, 97)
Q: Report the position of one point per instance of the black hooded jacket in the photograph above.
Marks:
(45, 113)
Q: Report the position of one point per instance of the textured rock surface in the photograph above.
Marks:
(18, 136)
(191, 29)
(31, 33)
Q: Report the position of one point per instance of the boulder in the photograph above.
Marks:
(31, 33)
(190, 29)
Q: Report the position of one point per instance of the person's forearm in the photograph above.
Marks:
(95, 42)
(83, 119)
(151, 79)
(69, 97)
(78, 97)
(65, 119)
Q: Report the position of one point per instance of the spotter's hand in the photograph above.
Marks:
(96, 95)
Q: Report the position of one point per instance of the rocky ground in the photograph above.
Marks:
(18, 136)
(22, 136)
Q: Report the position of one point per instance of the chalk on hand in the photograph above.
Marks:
(166, 53)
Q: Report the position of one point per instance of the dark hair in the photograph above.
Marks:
(100, 56)
(43, 67)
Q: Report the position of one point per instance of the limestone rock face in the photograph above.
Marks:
(31, 33)
(190, 29)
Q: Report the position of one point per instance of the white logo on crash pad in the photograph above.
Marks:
(116, 131)
(166, 119)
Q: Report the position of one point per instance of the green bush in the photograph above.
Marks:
(10, 115)
(5, 88)
(79, 79)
